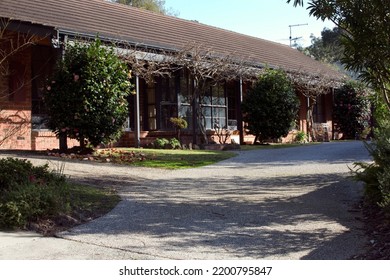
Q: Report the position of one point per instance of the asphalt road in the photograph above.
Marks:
(294, 203)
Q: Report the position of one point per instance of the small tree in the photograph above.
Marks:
(351, 110)
(86, 98)
(271, 106)
(179, 124)
(312, 87)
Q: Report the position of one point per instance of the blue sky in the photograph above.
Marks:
(266, 19)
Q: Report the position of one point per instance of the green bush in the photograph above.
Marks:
(160, 143)
(352, 110)
(175, 144)
(179, 123)
(270, 106)
(86, 98)
(16, 172)
(300, 137)
(376, 176)
(163, 143)
(28, 192)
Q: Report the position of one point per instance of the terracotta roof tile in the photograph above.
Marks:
(122, 22)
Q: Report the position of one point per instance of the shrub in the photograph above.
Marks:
(160, 143)
(163, 143)
(300, 137)
(87, 96)
(179, 124)
(271, 106)
(28, 192)
(16, 172)
(376, 176)
(175, 144)
(351, 110)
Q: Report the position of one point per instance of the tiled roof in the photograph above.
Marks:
(120, 22)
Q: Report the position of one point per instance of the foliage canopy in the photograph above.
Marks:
(87, 97)
(271, 106)
(157, 6)
(352, 112)
(366, 37)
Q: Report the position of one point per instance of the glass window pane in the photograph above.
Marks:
(185, 112)
(167, 112)
(185, 89)
(218, 92)
(168, 89)
(219, 117)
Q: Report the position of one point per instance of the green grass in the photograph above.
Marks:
(34, 197)
(91, 200)
(275, 146)
(167, 159)
(175, 159)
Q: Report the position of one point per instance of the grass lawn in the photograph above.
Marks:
(86, 203)
(92, 200)
(168, 159)
(175, 159)
(275, 146)
(37, 198)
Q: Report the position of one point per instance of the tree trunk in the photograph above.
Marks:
(310, 120)
(386, 98)
(63, 139)
(82, 143)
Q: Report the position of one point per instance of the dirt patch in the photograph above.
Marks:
(377, 228)
(51, 226)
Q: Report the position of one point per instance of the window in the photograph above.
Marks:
(319, 112)
(185, 98)
(43, 61)
(214, 107)
(151, 109)
(175, 99)
(232, 100)
(168, 103)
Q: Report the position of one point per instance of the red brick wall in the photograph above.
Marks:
(15, 103)
(47, 140)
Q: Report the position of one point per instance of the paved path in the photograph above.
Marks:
(294, 203)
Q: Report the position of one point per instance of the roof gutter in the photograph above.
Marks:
(122, 42)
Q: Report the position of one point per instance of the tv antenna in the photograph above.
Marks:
(296, 38)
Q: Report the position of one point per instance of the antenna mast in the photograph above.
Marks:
(295, 25)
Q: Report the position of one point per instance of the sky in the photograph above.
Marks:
(266, 19)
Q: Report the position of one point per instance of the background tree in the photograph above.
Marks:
(328, 47)
(271, 106)
(366, 41)
(365, 29)
(157, 6)
(87, 97)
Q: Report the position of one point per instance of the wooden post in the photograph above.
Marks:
(137, 126)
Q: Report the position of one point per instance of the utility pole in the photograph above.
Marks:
(296, 38)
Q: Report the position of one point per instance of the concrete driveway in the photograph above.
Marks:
(295, 203)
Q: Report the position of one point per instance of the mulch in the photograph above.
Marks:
(377, 228)
(50, 226)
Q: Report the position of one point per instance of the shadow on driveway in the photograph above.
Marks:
(303, 217)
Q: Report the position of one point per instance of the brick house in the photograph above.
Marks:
(44, 25)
